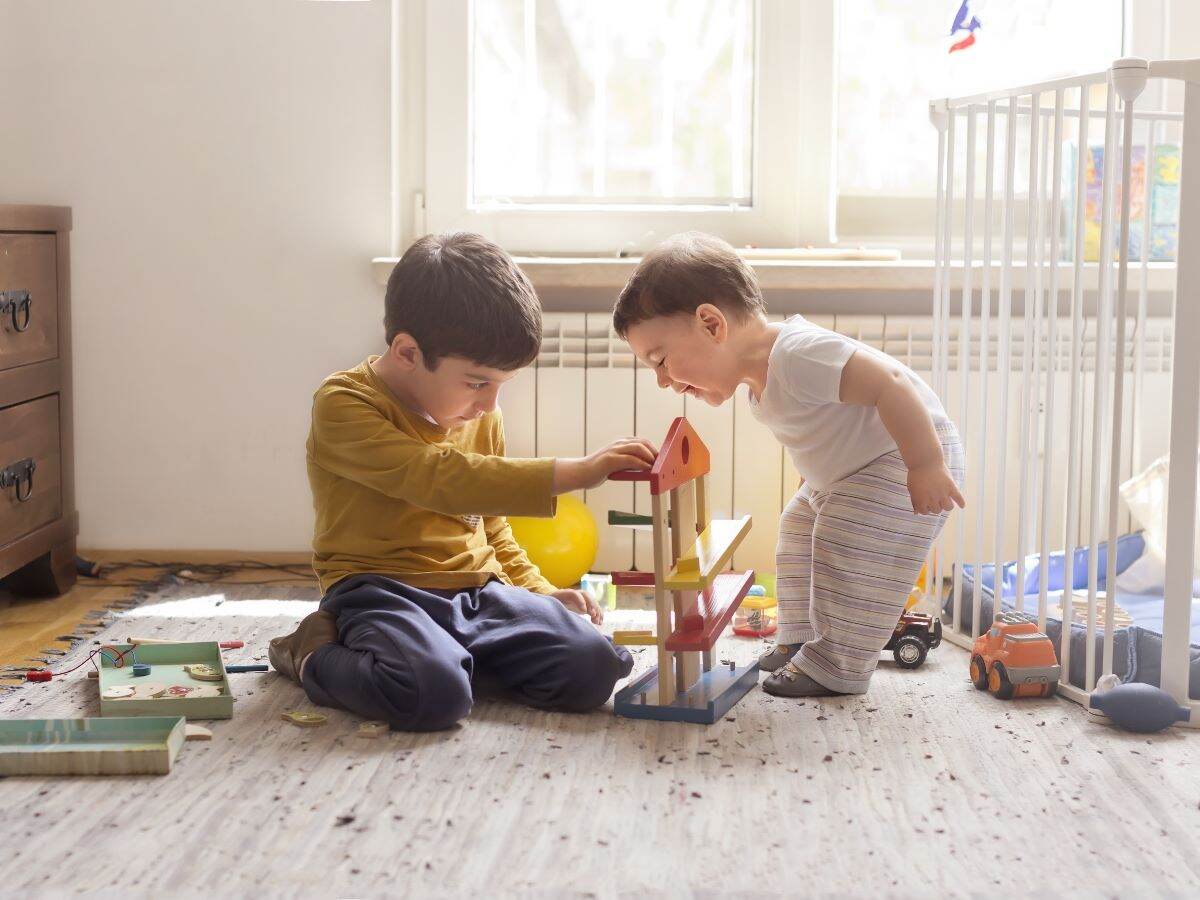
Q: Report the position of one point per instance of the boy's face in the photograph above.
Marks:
(459, 391)
(453, 393)
(690, 354)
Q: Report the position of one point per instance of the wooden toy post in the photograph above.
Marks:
(694, 597)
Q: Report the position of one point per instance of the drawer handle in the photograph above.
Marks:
(20, 471)
(17, 305)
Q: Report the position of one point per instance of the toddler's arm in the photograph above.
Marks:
(869, 381)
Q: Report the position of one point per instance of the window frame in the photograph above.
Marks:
(795, 206)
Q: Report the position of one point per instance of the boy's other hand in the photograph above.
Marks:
(589, 471)
(580, 602)
(933, 491)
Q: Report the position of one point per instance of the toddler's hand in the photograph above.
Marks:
(933, 490)
(590, 471)
(580, 602)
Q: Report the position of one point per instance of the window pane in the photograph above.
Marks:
(894, 58)
(583, 102)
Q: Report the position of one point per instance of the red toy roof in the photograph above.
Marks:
(682, 458)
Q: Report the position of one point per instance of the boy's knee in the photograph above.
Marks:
(443, 698)
(589, 673)
(448, 705)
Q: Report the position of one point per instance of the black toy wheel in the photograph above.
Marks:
(979, 673)
(999, 682)
(910, 651)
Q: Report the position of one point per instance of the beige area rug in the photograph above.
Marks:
(923, 787)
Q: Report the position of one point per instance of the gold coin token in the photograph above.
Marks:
(120, 692)
(372, 729)
(304, 720)
(203, 672)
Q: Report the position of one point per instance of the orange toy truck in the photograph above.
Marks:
(1014, 659)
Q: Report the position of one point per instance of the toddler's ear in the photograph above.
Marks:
(712, 321)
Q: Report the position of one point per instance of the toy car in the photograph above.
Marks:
(915, 635)
(1014, 659)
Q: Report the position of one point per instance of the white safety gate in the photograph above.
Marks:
(1059, 368)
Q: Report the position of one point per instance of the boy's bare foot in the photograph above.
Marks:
(288, 654)
(791, 682)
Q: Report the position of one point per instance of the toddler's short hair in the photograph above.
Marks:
(684, 272)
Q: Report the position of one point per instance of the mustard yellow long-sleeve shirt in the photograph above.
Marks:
(395, 495)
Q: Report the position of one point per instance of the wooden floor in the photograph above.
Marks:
(28, 626)
(924, 787)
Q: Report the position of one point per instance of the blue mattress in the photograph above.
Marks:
(1137, 648)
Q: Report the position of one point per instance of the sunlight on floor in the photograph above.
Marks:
(212, 606)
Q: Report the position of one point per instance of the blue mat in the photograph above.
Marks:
(1137, 648)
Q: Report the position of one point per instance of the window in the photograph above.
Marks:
(894, 58)
(883, 130)
(577, 103)
(598, 127)
(579, 126)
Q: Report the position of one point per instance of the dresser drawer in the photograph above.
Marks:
(28, 299)
(29, 432)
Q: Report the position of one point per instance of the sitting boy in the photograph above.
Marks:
(425, 587)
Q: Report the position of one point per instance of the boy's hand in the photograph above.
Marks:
(580, 602)
(932, 490)
(590, 471)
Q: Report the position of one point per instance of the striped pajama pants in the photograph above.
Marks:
(847, 558)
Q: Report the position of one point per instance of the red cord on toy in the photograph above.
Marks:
(46, 674)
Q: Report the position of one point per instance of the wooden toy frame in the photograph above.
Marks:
(167, 663)
(144, 745)
(694, 597)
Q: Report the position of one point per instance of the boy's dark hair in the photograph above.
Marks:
(683, 272)
(461, 295)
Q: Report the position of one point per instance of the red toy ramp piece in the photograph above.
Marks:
(683, 457)
(633, 579)
(704, 622)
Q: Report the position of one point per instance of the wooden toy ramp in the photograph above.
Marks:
(694, 597)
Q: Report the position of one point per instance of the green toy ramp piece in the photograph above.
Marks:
(629, 520)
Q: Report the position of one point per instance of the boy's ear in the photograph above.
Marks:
(405, 351)
(713, 322)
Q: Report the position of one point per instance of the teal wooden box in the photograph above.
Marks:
(166, 663)
(118, 746)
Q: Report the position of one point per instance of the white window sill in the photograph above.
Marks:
(609, 273)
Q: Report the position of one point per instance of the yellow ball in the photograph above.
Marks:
(563, 547)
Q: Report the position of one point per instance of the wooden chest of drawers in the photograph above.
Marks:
(38, 522)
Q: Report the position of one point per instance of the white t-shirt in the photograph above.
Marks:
(826, 438)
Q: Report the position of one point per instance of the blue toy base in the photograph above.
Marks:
(713, 695)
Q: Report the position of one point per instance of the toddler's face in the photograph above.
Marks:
(688, 354)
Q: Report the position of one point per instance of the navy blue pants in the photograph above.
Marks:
(408, 655)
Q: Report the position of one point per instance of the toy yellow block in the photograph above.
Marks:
(704, 560)
(634, 638)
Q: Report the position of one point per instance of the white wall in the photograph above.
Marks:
(228, 165)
